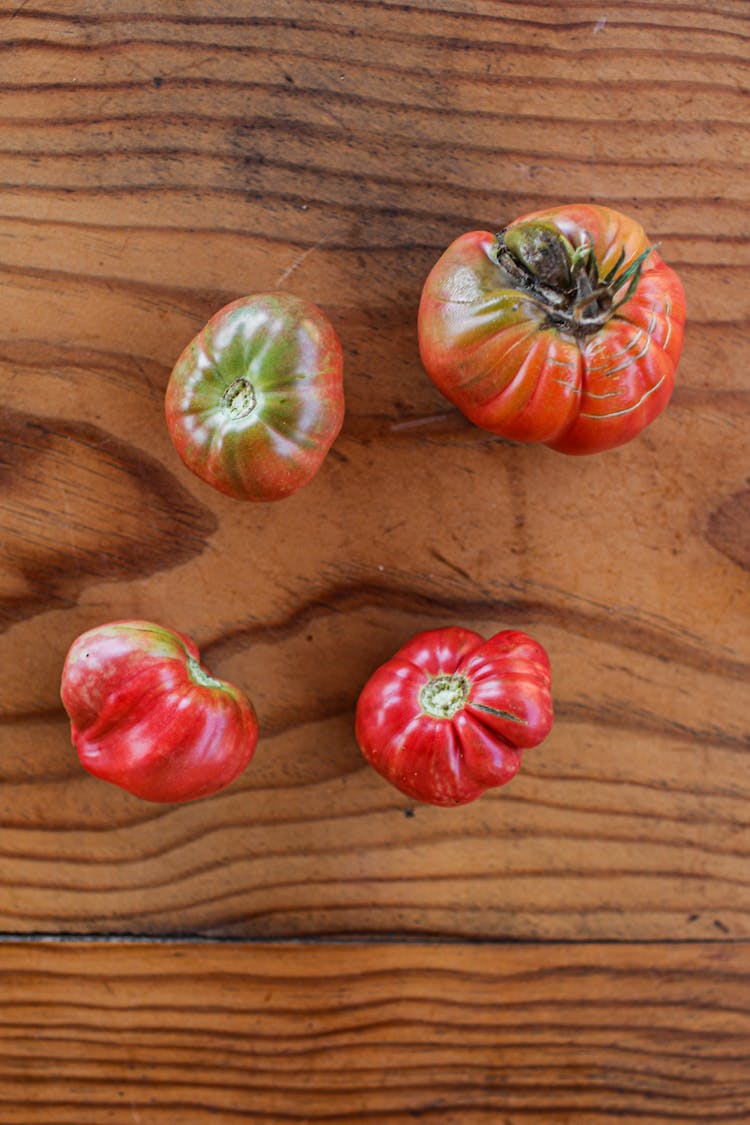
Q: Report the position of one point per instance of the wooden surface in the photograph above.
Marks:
(451, 1035)
(158, 160)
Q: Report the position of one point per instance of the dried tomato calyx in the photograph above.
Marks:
(444, 696)
(239, 398)
(565, 280)
(542, 253)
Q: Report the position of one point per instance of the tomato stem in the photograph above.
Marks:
(564, 280)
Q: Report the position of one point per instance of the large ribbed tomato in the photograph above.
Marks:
(148, 717)
(256, 400)
(565, 328)
(450, 714)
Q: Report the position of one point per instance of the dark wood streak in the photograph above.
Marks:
(698, 395)
(245, 133)
(670, 86)
(72, 499)
(190, 18)
(432, 230)
(189, 1042)
(553, 25)
(197, 303)
(595, 624)
(428, 42)
(301, 93)
(132, 371)
(285, 909)
(309, 887)
(457, 220)
(728, 528)
(183, 834)
(302, 96)
(428, 16)
(626, 717)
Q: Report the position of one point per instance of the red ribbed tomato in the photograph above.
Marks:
(148, 717)
(450, 714)
(565, 328)
(256, 400)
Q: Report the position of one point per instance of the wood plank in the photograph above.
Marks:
(456, 1034)
(157, 163)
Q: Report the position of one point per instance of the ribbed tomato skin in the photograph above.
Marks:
(451, 761)
(288, 352)
(146, 717)
(493, 353)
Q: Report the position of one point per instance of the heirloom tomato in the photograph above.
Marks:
(450, 714)
(148, 717)
(256, 400)
(565, 328)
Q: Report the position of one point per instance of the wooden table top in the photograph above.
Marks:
(311, 945)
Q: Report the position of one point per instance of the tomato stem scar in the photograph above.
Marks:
(443, 696)
(239, 398)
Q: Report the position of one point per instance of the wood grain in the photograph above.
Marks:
(455, 1034)
(157, 163)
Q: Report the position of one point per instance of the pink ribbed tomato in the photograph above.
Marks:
(565, 328)
(148, 717)
(450, 714)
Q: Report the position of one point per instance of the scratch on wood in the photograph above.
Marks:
(451, 565)
(413, 423)
(297, 262)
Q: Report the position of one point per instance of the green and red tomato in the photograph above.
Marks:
(565, 328)
(256, 400)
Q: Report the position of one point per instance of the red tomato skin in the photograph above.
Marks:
(492, 351)
(451, 760)
(147, 717)
(287, 351)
